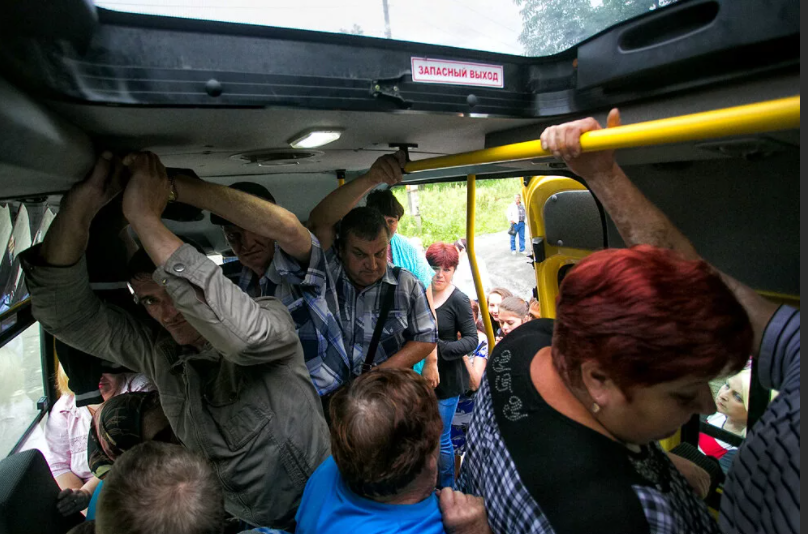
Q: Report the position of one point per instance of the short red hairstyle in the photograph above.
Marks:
(442, 255)
(648, 316)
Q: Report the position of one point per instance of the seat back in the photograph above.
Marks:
(28, 495)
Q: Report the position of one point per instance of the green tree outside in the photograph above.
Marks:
(552, 26)
(443, 209)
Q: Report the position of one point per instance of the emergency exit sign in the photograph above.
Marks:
(443, 71)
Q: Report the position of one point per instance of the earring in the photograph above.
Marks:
(595, 407)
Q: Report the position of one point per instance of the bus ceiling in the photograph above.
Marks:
(72, 51)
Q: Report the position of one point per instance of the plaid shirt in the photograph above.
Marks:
(490, 472)
(264, 287)
(335, 322)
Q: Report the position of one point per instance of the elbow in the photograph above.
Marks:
(316, 219)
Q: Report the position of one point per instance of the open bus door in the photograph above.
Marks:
(566, 225)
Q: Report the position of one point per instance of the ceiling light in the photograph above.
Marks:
(315, 138)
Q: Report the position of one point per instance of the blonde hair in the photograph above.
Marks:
(62, 387)
(746, 383)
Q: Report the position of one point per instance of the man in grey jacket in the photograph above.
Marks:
(229, 369)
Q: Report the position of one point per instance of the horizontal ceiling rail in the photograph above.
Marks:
(769, 116)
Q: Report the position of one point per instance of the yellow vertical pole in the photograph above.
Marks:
(471, 208)
(340, 182)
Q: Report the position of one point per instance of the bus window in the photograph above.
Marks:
(22, 378)
(12, 289)
(21, 386)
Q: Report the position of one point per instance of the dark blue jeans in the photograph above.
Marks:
(446, 463)
(520, 229)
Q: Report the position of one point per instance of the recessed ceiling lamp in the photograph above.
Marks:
(315, 138)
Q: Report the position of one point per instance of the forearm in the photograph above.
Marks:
(454, 350)
(160, 243)
(636, 218)
(90, 486)
(411, 353)
(69, 481)
(66, 240)
(432, 359)
(640, 222)
(474, 380)
(477, 370)
(244, 331)
(339, 202)
(249, 212)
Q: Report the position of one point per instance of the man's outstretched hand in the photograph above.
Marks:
(147, 192)
(463, 514)
(564, 141)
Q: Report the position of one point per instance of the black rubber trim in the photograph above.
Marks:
(28, 432)
(23, 318)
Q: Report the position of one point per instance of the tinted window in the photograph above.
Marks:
(519, 27)
(21, 386)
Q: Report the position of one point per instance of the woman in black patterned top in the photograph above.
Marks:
(563, 438)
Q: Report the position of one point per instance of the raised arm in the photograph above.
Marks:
(249, 212)
(330, 210)
(244, 331)
(56, 274)
(66, 240)
(636, 218)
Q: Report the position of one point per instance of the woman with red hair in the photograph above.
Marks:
(568, 415)
(457, 337)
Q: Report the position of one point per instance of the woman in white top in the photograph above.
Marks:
(66, 433)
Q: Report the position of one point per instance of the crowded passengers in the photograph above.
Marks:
(293, 392)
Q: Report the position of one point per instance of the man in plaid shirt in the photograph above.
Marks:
(333, 293)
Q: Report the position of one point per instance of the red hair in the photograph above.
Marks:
(648, 316)
(442, 255)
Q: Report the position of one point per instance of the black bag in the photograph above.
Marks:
(512, 229)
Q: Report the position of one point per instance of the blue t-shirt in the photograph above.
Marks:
(330, 507)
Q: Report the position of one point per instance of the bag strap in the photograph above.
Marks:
(388, 293)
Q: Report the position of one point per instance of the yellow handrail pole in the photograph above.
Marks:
(773, 115)
(471, 209)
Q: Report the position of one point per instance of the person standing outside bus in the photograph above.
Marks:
(516, 216)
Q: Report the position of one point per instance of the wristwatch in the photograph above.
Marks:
(172, 190)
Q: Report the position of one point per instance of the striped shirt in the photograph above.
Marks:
(335, 322)
(762, 491)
